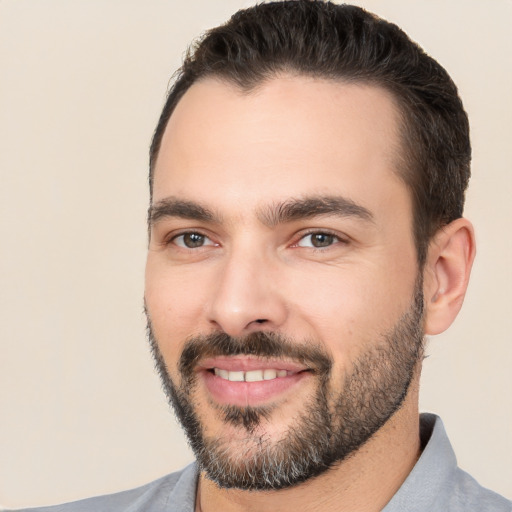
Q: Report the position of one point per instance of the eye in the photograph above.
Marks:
(192, 240)
(318, 240)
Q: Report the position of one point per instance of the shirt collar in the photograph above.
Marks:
(430, 478)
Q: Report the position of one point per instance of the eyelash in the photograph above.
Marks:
(172, 239)
(336, 236)
(302, 236)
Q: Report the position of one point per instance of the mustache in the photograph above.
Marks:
(260, 344)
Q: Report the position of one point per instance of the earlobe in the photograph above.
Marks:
(446, 276)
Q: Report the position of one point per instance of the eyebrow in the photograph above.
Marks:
(308, 207)
(271, 215)
(173, 207)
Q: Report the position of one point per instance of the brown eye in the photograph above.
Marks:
(318, 240)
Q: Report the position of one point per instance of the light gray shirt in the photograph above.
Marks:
(436, 484)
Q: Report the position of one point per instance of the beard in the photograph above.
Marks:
(332, 425)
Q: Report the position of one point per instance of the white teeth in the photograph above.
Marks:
(222, 373)
(236, 376)
(254, 376)
(250, 376)
(271, 374)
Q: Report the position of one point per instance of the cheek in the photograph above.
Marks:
(349, 310)
(174, 302)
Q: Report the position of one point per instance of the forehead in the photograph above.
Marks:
(290, 136)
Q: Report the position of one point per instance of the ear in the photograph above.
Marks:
(449, 260)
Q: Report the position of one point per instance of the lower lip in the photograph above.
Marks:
(250, 393)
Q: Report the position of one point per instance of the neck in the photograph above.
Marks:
(365, 481)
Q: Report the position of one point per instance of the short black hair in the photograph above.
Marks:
(347, 43)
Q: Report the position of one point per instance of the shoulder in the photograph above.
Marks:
(437, 483)
(175, 491)
(457, 490)
(468, 495)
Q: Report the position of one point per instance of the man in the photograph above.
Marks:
(305, 233)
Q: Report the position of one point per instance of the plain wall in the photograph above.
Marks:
(81, 87)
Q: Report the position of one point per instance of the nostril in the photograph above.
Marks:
(260, 321)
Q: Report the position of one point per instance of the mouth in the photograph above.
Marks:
(246, 381)
(250, 376)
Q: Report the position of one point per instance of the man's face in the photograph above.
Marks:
(282, 289)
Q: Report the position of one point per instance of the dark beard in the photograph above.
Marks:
(332, 425)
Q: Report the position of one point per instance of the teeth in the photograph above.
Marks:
(254, 376)
(271, 374)
(250, 376)
(222, 373)
(236, 376)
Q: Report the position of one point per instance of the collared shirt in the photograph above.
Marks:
(436, 484)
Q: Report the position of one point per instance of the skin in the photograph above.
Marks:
(240, 155)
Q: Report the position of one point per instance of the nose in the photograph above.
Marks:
(247, 296)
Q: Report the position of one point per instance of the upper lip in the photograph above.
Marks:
(248, 363)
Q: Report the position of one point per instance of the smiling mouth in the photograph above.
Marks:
(243, 381)
(251, 375)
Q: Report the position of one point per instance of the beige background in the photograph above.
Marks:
(81, 86)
